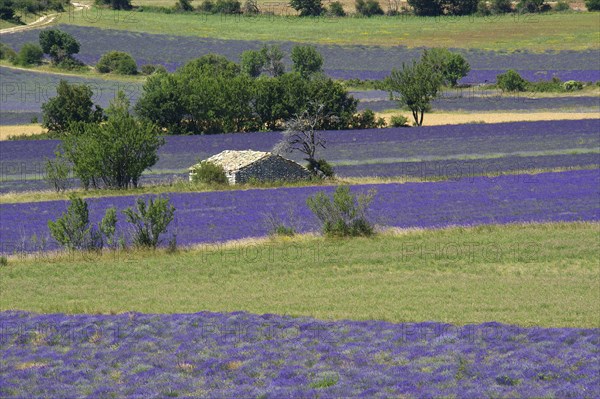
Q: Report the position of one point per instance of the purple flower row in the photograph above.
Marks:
(229, 215)
(242, 355)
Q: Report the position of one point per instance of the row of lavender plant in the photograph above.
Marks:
(229, 215)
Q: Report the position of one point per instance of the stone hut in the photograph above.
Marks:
(244, 166)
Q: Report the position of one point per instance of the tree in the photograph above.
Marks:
(273, 57)
(301, 135)
(511, 81)
(163, 102)
(501, 6)
(307, 60)
(30, 54)
(7, 10)
(73, 103)
(443, 7)
(414, 86)
(451, 66)
(459, 7)
(58, 44)
(115, 152)
(72, 229)
(117, 62)
(307, 7)
(533, 6)
(252, 62)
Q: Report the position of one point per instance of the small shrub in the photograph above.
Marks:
(108, 226)
(227, 7)
(57, 173)
(3, 261)
(572, 85)
(511, 81)
(592, 5)
(399, 121)
(321, 168)
(546, 86)
(184, 5)
(343, 215)
(209, 173)
(501, 6)
(150, 220)
(72, 229)
(367, 120)
(70, 64)
(336, 9)
(150, 69)
(7, 53)
(251, 7)
(561, 6)
(34, 120)
(30, 54)
(117, 62)
(368, 8)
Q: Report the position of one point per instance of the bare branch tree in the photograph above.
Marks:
(301, 136)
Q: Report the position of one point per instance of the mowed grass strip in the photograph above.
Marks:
(530, 275)
(536, 32)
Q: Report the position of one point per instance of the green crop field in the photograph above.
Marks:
(535, 32)
(543, 275)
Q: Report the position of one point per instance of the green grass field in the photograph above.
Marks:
(543, 275)
(552, 31)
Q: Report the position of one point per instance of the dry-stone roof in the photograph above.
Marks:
(236, 160)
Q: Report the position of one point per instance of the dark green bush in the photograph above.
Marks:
(321, 168)
(367, 120)
(117, 62)
(592, 5)
(7, 53)
(511, 81)
(30, 54)
(368, 8)
(184, 5)
(336, 9)
(399, 121)
(572, 85)
(344, 215)
(227, 7)
(209, 173)
(150, 220)
(546, 86)
(149, 69)
(3, 261)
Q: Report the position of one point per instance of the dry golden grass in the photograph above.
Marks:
(16, 130)
(453, 118)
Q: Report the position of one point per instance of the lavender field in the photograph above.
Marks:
(344, 62)
(229, 215)
(425, 152)
(239, 354)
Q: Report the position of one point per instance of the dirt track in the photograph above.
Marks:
(41, 21)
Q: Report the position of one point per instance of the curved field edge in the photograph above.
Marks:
(539, 32)
(524, 274)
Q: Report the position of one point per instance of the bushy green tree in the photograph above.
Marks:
(307, 60)
(58, 45)
(252, 62)
(533, 6)
(7, 10)
(117, 62)
(415, 86)
(308, 7)
(115, 152)
(451, 66)
(501, 6)
(443, 7)
(73, 103)
(511, 81)
(426, 7)
(29, 54)
(72, 229)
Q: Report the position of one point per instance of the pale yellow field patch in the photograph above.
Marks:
(17, 130)
(453, 118)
